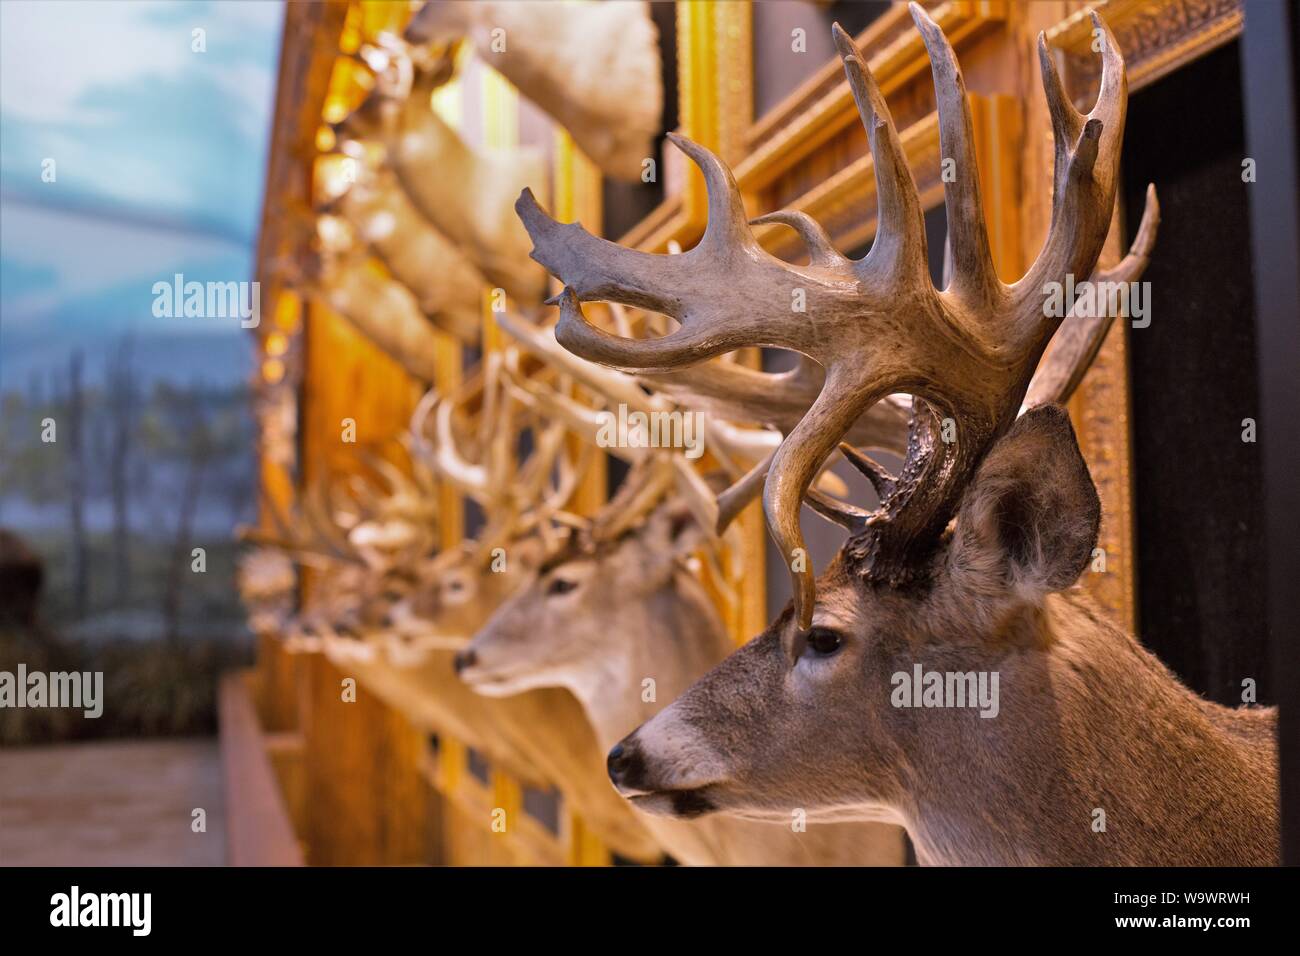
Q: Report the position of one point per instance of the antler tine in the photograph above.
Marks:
(470, 478)
(1139, 254)
(569, 476)
(543, 344)
(536, 472)
(737, 497)
(731, 443)
(288, 537)
(596, 266)
(581, 420)
(797, 462)
(1079, 338)
(899, 246)
(881, 480)
(318, 518)
(400, 486)
(727, 231)
(847, 516)
(359, 496)
(418, 431)
(647, 483)
(1085, 169)
(821, 251)
(700, 499)
(779, 399)
(732, 391)
(711, 324)
(974, 278)
(497, 429)
(424, 479)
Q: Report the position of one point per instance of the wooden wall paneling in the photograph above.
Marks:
(274, 685)
(306, 61)
(999, 140)
(370, 803)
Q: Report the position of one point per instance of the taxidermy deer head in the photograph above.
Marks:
(1087, 751)
(342, 275)
(467, 195)
(594, 68)
(447, 286)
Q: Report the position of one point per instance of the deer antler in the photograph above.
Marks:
(737, 449)
(381, 309)
(876, 325)
(539, 487)
(445, 283)
(1080, 336)
(779, 399)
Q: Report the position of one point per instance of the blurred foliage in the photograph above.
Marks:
(151, 688)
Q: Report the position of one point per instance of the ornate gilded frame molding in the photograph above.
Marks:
(1156, 37)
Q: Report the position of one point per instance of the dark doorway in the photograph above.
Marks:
(1200, 566)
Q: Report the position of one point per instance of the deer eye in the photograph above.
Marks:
(824, 641)
(561, 586)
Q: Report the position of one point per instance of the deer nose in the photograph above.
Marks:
(464, 659)
(625, 766)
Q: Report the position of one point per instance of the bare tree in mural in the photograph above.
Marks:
(121, 403)
(189, 438)
(75, 473)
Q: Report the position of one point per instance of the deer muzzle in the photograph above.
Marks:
(656, 779)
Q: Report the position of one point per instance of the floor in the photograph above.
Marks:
(127, 803)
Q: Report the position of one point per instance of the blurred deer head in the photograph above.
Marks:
(594, 68)
(341, 275)
(467, 195)
(446, 285)
(399, 72)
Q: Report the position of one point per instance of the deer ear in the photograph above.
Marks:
(528, 552)
(1029, 520)
(671, 532)
(682, 529)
